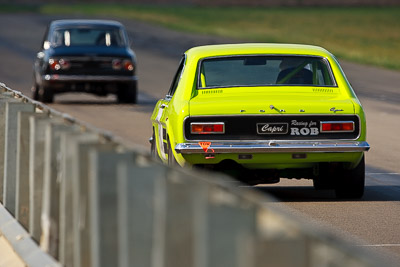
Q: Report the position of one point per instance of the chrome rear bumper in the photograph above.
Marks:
(274, 147)
(88, 78)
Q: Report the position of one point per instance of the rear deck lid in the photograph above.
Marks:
(234, 101)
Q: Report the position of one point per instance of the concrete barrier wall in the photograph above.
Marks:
(76, 196)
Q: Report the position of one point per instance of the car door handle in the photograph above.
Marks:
(163, 106)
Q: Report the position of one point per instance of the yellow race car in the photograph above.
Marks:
(264, 112)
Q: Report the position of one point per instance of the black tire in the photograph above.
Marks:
(45, 95)
(171, 158)
(127, 94)
(153, 148)
(351, 183)
(325, 179)
(320, 183)
(35, 92)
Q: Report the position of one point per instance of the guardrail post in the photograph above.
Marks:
(22, 212)
(38, 123)
(141, 217)
(74, 237)
(231, 224)
(215, 225)
(49, 240)
(10, 152)
(4, 98)
(180, 213)
(103, 207)
(16, 238)
(278, 238)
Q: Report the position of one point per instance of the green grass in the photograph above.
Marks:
(12, 8)
(365, 35)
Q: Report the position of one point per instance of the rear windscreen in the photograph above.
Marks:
(87, 36)
(264, 71)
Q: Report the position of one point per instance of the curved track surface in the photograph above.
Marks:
(374, 219)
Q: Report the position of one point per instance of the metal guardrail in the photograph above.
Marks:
(80, 197)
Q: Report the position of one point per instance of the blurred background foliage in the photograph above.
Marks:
(368, 35)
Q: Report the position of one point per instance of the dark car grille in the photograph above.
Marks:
(98, 64)
(91, 66)
(249, 127)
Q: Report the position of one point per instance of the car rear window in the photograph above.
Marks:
(87, 36)
(264, 71)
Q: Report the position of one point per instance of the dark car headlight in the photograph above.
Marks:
(59, 64)
(123, 64)
(128, 65)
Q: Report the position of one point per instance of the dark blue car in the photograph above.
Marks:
(91, 56)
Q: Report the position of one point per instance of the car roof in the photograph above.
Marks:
(256, 48)
(84, 22)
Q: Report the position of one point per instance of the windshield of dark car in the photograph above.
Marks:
(87, 36)
(256, 70)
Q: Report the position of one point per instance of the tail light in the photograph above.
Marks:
(207, 128)
(337, 126)
(59, 64)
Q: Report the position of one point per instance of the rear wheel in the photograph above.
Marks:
(325, 179)
(153, 148)
(35, 92)
(171, 158)
(127, 94)
(45, 95)
(350, 183)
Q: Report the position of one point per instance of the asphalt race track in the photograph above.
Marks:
(374, 219)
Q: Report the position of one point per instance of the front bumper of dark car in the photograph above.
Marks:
(87, 78)
(98, 84)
